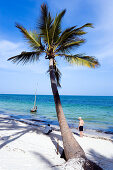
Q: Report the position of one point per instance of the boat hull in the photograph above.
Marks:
(33, 110)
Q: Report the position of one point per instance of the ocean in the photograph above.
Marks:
(96, 111)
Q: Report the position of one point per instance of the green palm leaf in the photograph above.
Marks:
(25, 57)
(86, 25)
(31, 38)
(56, 27)
(80, 59)
(45, 24)
(71, 34)
(68, 46)
(63, 36)
(37, 37)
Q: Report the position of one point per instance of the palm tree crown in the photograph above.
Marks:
(51, 40)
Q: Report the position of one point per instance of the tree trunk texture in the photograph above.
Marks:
(71, 147)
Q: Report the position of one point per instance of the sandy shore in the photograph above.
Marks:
(25, 147)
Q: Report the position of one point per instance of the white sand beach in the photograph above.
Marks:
(25, 147)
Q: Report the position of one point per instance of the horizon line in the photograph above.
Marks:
(59, 94)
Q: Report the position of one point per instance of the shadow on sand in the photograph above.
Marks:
(45, 160)
(99, 159)
(10, 125)
(6, 124)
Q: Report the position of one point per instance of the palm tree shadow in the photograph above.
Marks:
(102, 161)
(9, 124)
(53, 138)
(45, 160)
(13, 125)
(76, 133)
(59, 149)
(8, 140)
(56, 143)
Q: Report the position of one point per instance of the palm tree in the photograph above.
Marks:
(51, 40)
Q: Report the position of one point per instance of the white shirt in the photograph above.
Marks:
(47, 129)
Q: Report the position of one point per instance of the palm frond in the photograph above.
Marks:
(68, 46)
(64, 35)
(45, 24)
(31, 38)
(71, 34)
(25, 57)
(56, 27)
(80, 59)
(86, 25)
(37, 37)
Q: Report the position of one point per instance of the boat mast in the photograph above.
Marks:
(35, 97)
(35, 100)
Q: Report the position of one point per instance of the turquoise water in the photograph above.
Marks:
(97, 111)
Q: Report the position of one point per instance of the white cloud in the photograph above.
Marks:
(105, 15)
(9, 49)
(102, 37)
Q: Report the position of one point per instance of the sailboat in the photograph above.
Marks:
(34, 109)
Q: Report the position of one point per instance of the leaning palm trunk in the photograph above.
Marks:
(71, 147)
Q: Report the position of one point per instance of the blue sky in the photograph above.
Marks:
(76, 80)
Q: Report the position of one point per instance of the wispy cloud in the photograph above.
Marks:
(105, 21)
(101, 38)
(10, 49)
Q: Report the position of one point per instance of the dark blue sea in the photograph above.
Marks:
(96, 111)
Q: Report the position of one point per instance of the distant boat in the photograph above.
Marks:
(34, 109)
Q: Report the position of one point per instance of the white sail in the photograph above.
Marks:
(34, 109)
(35, 101)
